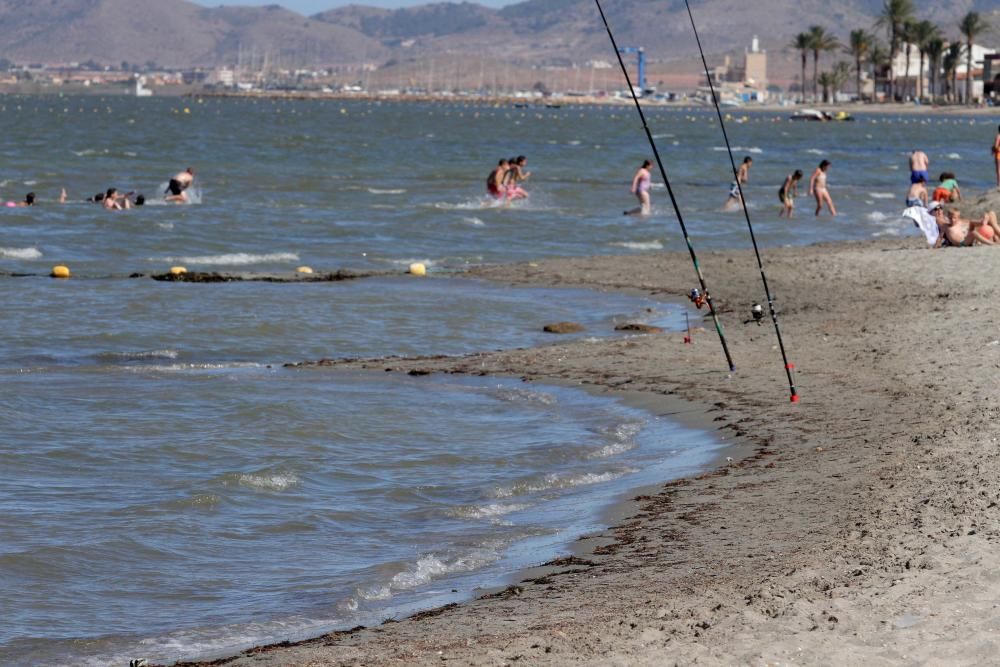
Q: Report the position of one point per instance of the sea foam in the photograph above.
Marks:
(233, 259)
(20, 253)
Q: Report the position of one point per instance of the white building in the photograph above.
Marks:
(916, 79)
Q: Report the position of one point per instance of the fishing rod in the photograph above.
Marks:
(732, 161)
(673, 200)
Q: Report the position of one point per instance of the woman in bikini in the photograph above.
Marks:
(817, 187)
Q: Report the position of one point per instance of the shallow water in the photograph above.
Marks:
(172, 491)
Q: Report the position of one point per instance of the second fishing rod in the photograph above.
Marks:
(707, 295)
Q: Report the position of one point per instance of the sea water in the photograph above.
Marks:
(171, 490)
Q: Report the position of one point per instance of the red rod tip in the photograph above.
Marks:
(795, 398)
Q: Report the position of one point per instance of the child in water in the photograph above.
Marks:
(786, 194)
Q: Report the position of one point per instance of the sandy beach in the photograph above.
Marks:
(856, 527)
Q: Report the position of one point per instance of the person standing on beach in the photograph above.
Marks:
(176, 189)
(996, 155)
(919, 163)
(789, 189)
(817, 187)
(640, 188)
(742, 176)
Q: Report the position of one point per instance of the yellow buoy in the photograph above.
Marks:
(60, 271)
(177, 270)
(304, 269)
(418, 269)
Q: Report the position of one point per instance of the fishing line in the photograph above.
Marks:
(732, 161)
(673, 200)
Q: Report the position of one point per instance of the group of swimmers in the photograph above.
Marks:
(641, 183)
(504, 182)
(113, 200)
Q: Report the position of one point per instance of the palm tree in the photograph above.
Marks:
(907, 34)
(952, 56)
(860, 44)
(894, 14)
(971, 26)
(841, 75)
(934, 49)
(827, 81)
(924, 32)
(878, 56)
(802, 43)
(820, 40)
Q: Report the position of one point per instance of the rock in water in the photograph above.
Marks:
(563, 328)
(638, 328)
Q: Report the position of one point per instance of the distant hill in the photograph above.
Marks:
(534, 32)
(170, 32)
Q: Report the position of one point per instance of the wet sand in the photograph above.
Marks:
(858, 526)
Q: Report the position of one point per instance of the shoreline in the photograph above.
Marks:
(607, 101)
(860, 528)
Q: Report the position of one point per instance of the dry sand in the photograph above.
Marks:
(860, 527)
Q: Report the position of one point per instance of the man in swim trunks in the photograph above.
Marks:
(917, 194)
(494, 182)
(918, 166)
(742, 176)
(178, 185)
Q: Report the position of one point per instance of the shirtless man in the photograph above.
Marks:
(954, 230)
(494, 182)
(917, 194)
(918, 166)
(817, 188)
(742, 176)
(176, 189)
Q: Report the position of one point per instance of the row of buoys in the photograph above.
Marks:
(62, 271)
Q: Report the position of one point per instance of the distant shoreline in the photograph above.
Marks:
(589, 100)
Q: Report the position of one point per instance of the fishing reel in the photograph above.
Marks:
(697, 298)
(757, 313)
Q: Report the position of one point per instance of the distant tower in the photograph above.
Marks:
(756, 65)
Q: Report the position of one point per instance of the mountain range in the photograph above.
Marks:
(178, 33)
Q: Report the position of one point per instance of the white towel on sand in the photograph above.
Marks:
(924, 221)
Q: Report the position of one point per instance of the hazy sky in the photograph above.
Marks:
(315, 6)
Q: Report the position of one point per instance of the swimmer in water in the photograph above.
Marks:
(817, 187)
(640, 188)
(787, 193)
(742, 176)
(29, 200)
(177, 188)
(494, 182)
(516, 174)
